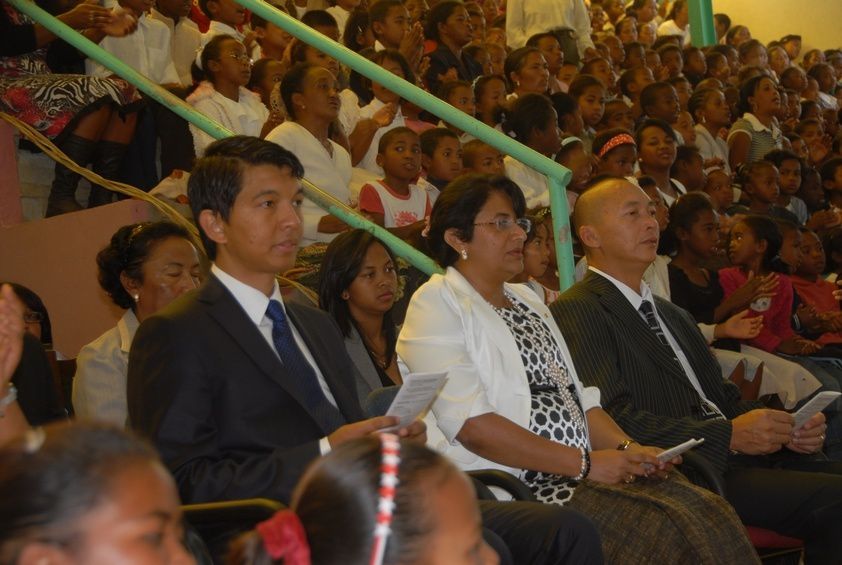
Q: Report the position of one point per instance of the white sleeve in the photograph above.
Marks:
(433, 338)
(201, 139)
(707, 331)
(515, 24)
(582, 24)
(99, 386)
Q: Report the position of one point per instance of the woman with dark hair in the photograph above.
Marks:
(450, 26)
(757, 131)
(532, 120)
(35, 315)
(143, 268)
(339, 503)
(90, 119)
(527, 72)
(87, 493)
(656, 147)
(311, 97)
(512, 399)
(357, 34)
(358, 287)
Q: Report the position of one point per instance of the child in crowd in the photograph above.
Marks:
(536, 253)
(270, 40)
(489, 96)
(660, 100)
(718, 188)
(789, 169)
(341, 11)
(754, 249)
(617, 114)
(710, 110)
(600, 68)
(568, 113)
(671, 59)
(396, 202)
(479, 157)
(441, 158)
(684, 127)
(589, 94)
(573, 156)
(368, 124)
(389, 23)
(266, 75)
(616, 152)
(816, 293)
(460, 95)
(222, 95)
(761, 188)
(683, 89)
(532, 121)
(226, 18)
(831, 173)
(756, 133)
(688, 169)
(631, 84)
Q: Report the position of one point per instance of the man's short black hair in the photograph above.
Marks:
(217, 178)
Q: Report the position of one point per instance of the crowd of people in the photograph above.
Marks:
(706, 208)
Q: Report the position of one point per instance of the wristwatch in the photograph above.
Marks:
(624, 445)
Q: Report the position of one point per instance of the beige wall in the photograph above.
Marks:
(818, 22)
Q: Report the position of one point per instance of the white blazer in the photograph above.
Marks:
(450, 327)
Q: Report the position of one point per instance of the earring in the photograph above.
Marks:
(136, 297)
(345, 296)
(464, 254)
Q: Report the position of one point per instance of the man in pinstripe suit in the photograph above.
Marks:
(662, 385)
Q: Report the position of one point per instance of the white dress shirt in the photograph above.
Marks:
(526, 18)
(218, 28)
(636, 298)
(147, 51)
(255, 303)
(185, 42)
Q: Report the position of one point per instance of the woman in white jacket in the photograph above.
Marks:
(513, 401)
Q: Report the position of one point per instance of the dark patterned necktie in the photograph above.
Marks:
(317, 404)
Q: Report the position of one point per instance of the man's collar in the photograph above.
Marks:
(635, 298)
(252, 300)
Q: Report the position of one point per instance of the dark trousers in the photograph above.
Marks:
(792, 496)
(543, 534)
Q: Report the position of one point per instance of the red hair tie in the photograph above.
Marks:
(614, 142)
(284, 537)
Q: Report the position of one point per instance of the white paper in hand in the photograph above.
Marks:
(674, 452)
(813, 407)
(414, 397)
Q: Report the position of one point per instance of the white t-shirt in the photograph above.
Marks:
(341, 16)
(398, 211)
(185, 41)
(331, 173)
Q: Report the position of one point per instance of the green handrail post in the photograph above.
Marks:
(443, 110)
(702, 29)
(215, 130)
(561, 232)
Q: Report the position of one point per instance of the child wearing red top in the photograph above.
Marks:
(816, 292)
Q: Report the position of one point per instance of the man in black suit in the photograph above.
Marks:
(662, 385)
(239, 390)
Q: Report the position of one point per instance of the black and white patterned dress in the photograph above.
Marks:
(556, 409)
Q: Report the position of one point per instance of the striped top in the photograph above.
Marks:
(763, 139)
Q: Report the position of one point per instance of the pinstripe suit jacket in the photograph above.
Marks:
(643, 388)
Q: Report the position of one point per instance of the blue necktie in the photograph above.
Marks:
(317, 404)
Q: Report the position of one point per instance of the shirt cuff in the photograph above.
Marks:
(708, 331)
(324, 446)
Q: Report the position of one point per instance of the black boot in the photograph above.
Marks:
(107, 165)
(63, 192)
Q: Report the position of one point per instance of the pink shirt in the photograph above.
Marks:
(776, 313)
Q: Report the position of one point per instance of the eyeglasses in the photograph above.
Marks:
(241, 58)
(505, 224)
(33, 317)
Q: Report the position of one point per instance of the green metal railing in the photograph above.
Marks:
(558, 176)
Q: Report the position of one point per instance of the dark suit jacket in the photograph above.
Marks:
(642, 386)
(212, 395)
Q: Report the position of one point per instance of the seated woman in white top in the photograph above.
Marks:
(366, 125)
(144, 268)
(222, 94)
(311, 97)
(513, 401)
